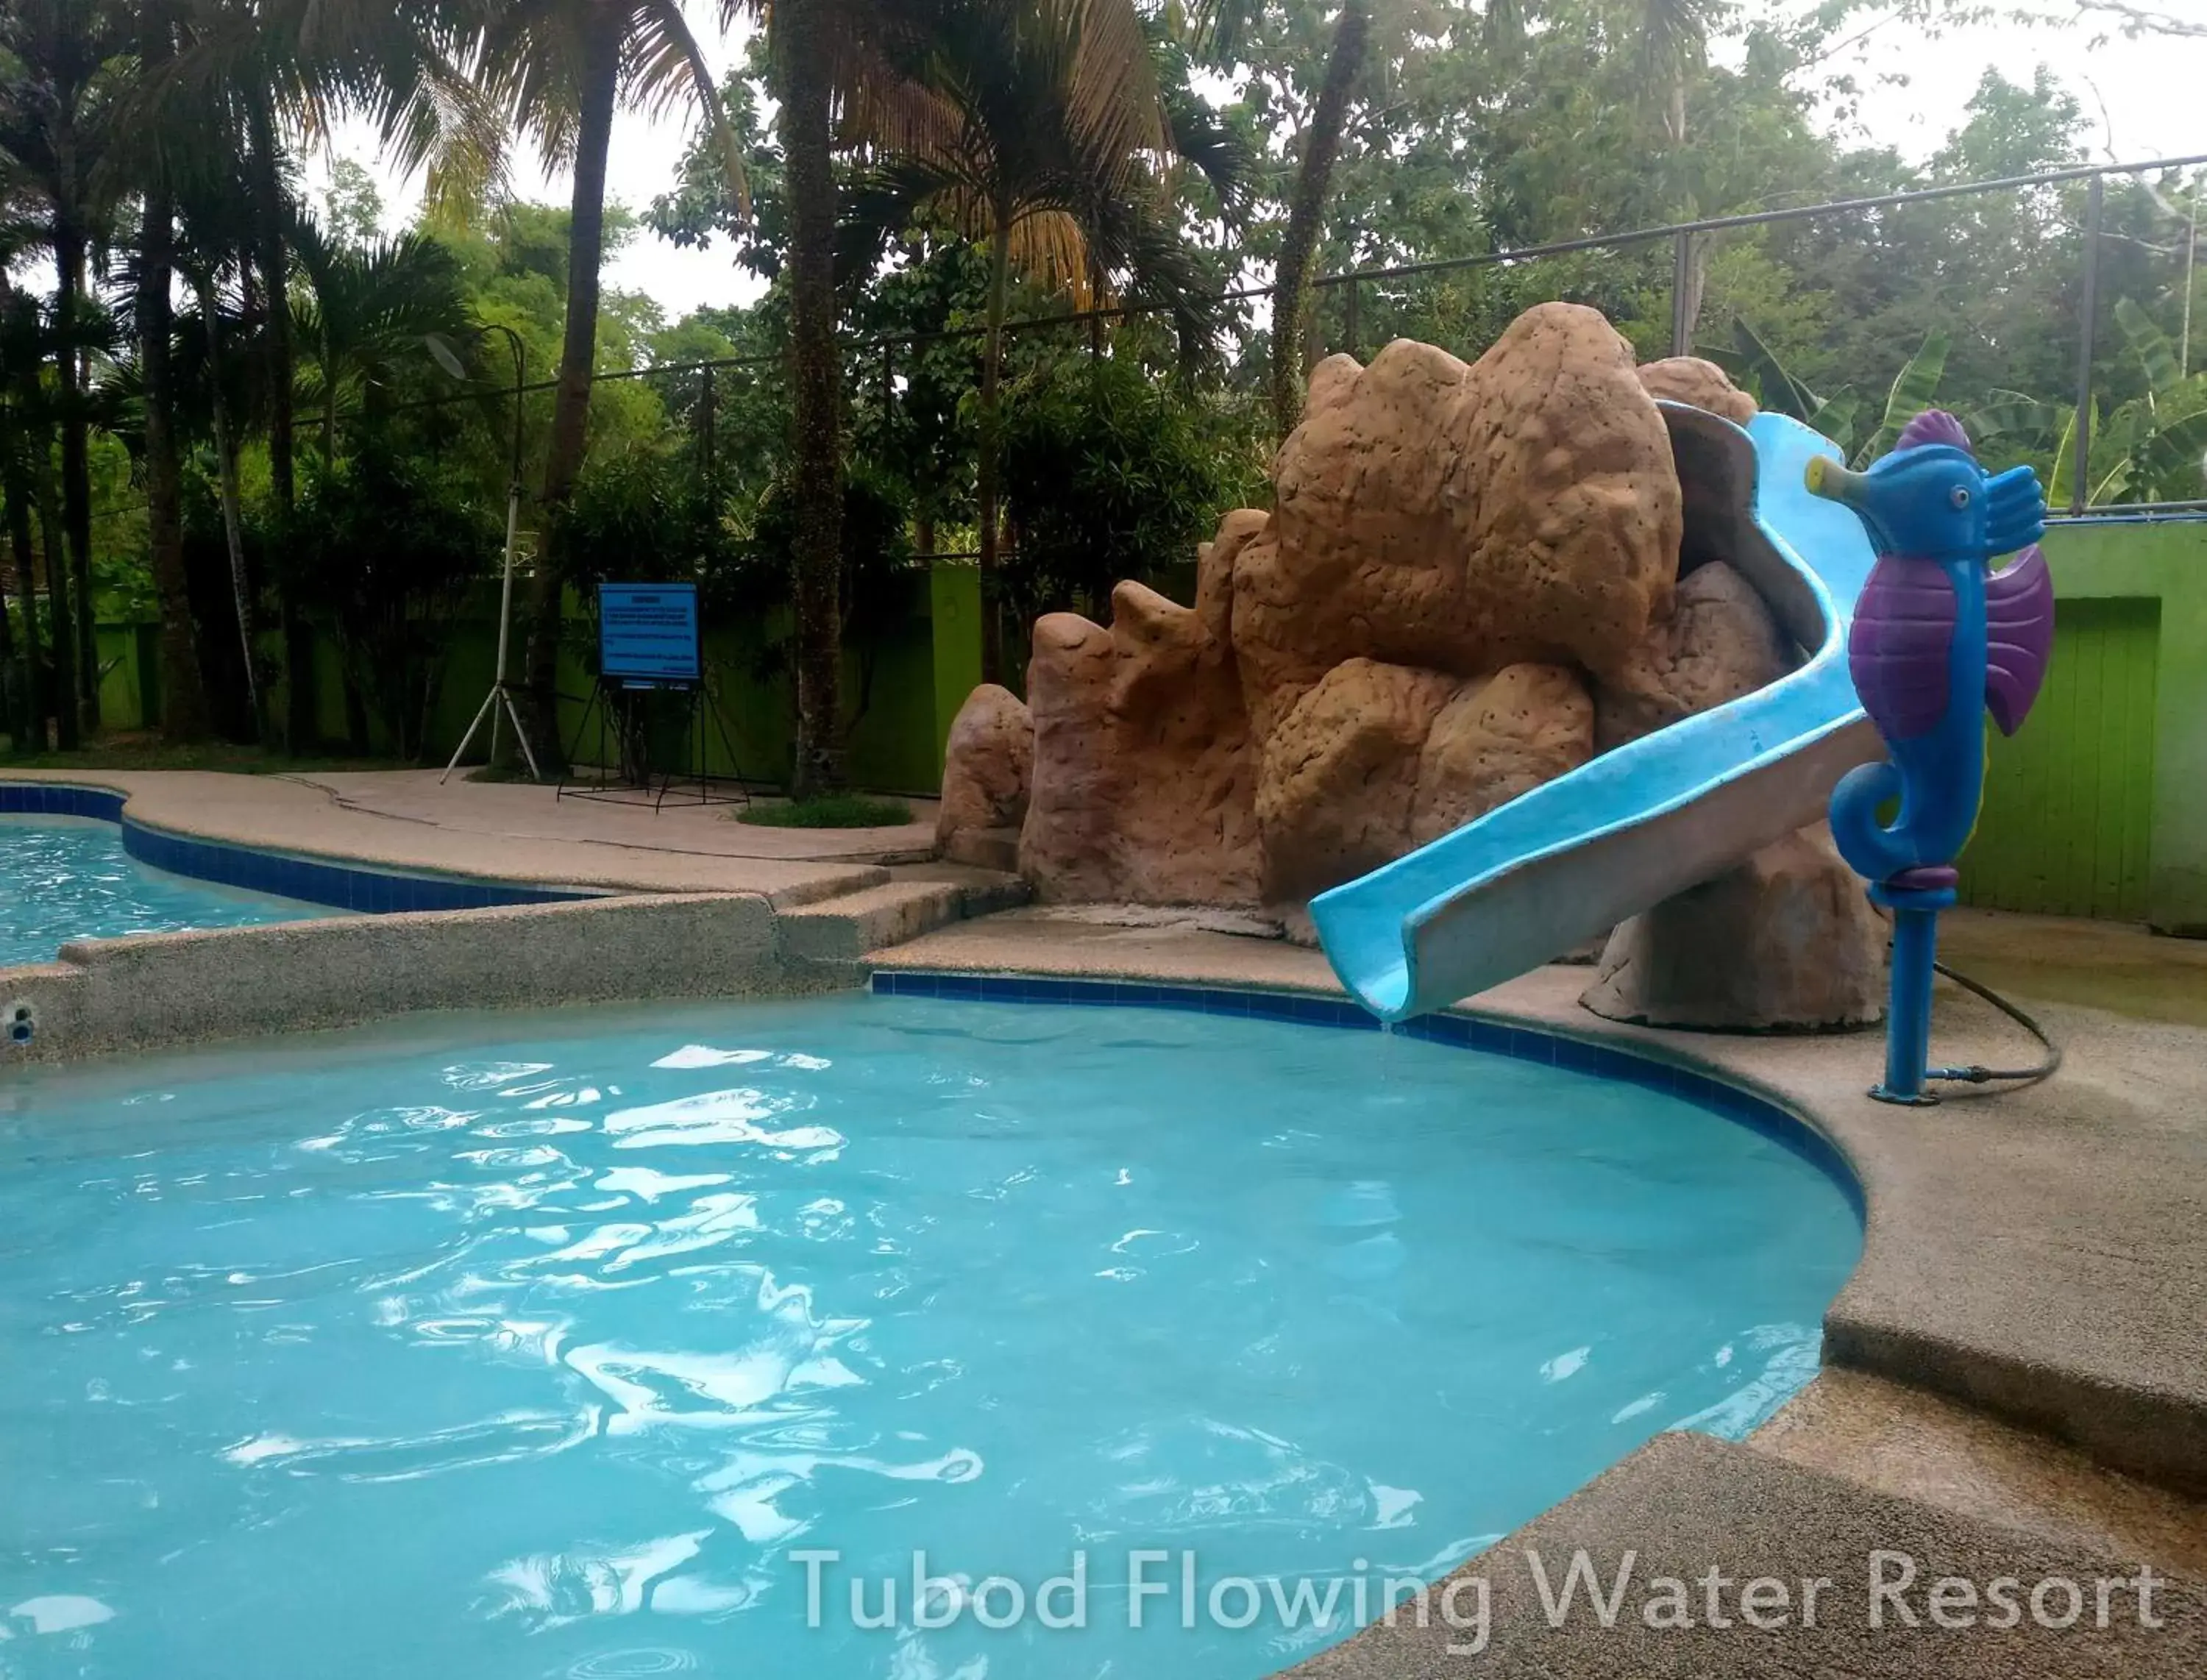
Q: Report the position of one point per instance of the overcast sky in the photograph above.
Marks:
(2146, 98)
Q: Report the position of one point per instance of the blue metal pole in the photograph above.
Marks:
(1908, 1015)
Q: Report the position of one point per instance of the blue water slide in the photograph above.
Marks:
(1569, 860)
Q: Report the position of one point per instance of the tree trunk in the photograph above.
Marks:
(986, 494)
(1307, 216)
(13, 486)
(183, 695)
(67, 734)
(571, 412)
(70, 260)
(226, 450)
(818, 371)
(15, 678)
(272, 259)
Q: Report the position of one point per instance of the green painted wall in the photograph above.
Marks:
(955, 596)
(895, 742)
(2068, 812)
(2119, 740)
(126, 653)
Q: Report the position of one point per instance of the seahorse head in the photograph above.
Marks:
(1929, 499)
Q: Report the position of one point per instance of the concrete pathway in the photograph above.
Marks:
(524, 811)
(508, 831)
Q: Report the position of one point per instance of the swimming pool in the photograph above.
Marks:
(558, 1344)
(68, 878)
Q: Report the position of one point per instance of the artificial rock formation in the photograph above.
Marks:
(1477, 575)
(1687, 378)
(988, 770)
(1718, 644)
(1461, 518)
(1788, 941)
(1143, 771)
(1404, 642)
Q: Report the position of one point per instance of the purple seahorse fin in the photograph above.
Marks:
(1933, 425)
(1898, 647)
(2019, 637)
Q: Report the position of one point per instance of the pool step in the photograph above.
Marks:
(832, 937)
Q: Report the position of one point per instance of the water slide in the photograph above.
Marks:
(1559, 865)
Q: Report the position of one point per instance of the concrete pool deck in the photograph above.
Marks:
(519, 832)
(2016, 1373)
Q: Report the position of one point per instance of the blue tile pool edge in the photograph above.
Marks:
(1765, 1116)
(305, 880)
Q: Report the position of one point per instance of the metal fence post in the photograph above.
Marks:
(706, 407)
(1682, 287)
(1354, 324)
(888, 378)
(2080, 495)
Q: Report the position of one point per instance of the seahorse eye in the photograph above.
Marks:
(1959, 496)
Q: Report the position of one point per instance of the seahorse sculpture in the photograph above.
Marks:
(1938, 639)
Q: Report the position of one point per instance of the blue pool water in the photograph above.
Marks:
(500, 1347)
(67, 877)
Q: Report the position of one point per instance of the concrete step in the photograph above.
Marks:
(917, 899)
(982, 891)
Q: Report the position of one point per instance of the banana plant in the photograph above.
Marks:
(2152, 448)
(1839, 415)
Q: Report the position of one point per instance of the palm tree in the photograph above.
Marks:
(1038, 127)
(21, 349)
(558, 70)
(823, 54)
(1344, 65)
(183, 708)
(63, 76)
(245, 79)
(814, 44)
(365, 312)
(29, 340)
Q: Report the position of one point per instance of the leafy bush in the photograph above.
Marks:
(642, 515)
(383, 550)
(1110, 473)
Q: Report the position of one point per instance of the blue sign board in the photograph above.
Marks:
(648, 633)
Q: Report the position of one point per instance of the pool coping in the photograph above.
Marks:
(325, 882)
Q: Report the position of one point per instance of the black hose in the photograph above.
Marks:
(2015, 1079)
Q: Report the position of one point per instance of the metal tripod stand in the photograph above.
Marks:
(500, 700)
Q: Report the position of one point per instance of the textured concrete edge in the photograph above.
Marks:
(1682, 1504)
(158, 990)
(158, 812)
(2161, 1438)
(329, 879)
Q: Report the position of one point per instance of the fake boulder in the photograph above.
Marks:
(1787, 942)
(988, 770)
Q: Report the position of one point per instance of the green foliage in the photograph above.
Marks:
(383, 548)
(642, 516)
(829, 811)
(1109, 473)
